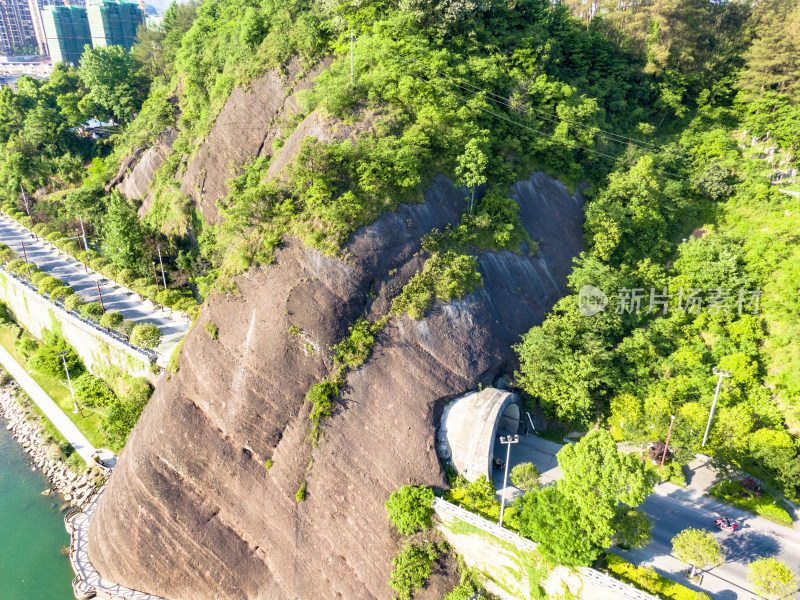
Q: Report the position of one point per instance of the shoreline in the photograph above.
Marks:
(76, 488)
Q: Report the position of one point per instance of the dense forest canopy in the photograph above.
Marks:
(655, 105)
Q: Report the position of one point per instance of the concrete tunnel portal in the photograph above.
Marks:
(470, 425)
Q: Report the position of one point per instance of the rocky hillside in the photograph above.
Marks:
(193, 513)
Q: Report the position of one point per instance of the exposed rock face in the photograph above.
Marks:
(192, 513)
(244, 128)
(135, 184)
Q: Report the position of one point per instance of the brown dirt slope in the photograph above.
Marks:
(192, 513)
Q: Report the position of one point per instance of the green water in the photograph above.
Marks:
(32, 566)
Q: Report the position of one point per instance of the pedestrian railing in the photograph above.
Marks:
(145, 355)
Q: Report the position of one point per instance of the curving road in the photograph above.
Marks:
(673, 509)
(116, 298)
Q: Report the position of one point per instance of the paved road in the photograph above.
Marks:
(672, 509)
(74, 274)
(51, 410)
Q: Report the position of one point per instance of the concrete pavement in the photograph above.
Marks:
(115, 298)
(51, 410)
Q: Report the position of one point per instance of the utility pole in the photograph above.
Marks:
(24, 253)
(161, 262)
(69, 381)
(83, 234)
(721, 374)
(508, 440)
(100, 294)
(669, 435)
(25, 200)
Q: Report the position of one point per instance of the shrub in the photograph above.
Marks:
(98, 264)
(300, 496)
(47, 361)
(37, 277)
(412, 568)
(73, 302)
(61, 292)
(26, 345)
(14, 265)
(268, 464)
(71, 247)
(321, 395)
(48, 284)
(445, 276)
(211, 330)
(55, 235)
(120, 418)
(127, 327)
(646, 579)
(126, 277)
(411, 508)
(6, 253)
(732, 492)
(110, 271)
(92, 391)
(111, 320)
(92, 311)
(146, 334)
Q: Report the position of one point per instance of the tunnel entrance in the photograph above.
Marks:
(469, 426)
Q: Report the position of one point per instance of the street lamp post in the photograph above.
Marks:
(721, 374)
(508, 440)
(100, 294)
(63, 356)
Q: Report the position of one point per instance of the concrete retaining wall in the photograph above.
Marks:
(506, 559)
(96, 348)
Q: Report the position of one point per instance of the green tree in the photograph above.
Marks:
(123, 237)
(412, 568)
(110, 74)
(634, 528)
(525, 476)
(549, 518)
(410, 508)
(471, 169)
(146, 334)
(698, 548)
(92, 391)
(597, 479)
(772, 578)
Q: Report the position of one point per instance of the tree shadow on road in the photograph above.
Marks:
(747, 546)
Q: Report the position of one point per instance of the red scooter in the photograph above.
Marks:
(726, 524)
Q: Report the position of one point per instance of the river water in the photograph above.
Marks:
(32, 565)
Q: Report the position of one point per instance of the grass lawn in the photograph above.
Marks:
(764, 506)
(87, 421)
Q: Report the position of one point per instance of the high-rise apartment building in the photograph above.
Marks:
(114, 23)
(67, 31)
(16, 26)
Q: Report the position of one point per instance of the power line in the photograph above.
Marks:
(500, 99)
(539, 132)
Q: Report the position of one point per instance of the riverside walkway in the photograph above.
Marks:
(73, 273)
(88, 582)
(50, 409)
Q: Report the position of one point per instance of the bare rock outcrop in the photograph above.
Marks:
(134, 184)
(244, 129)
(192, 512)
